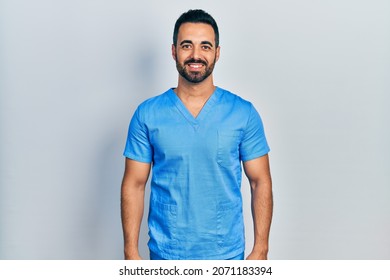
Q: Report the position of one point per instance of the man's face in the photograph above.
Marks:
(195, 51)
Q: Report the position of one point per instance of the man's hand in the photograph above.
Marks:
(257, 256)
(132, 205)
(132, 256)
(258, 173)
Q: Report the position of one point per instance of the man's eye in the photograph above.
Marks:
(206, 47)
(186, 46)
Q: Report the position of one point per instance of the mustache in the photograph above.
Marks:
(192, 60)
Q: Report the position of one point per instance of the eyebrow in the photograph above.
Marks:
(190, 42)
(206, 43)
(185, 42)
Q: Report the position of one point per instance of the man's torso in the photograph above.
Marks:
(196, 205)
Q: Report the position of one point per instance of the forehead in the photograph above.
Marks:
(196, 31)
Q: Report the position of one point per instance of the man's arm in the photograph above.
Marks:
(132, 205)
(258, 173)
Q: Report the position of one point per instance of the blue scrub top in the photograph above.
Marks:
(196, 204)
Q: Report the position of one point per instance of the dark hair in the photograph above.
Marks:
(196, 16)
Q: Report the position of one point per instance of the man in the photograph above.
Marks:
(196, 136)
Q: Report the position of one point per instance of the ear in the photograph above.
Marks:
(174, 52)
(217, 53)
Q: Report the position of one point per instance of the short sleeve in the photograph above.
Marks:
(254, 143)
(138, 146)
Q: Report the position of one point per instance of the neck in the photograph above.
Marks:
(203, 90)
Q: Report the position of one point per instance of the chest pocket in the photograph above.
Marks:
(228, 147)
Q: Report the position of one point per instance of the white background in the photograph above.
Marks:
(72, 73)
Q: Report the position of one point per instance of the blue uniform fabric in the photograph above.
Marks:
(155, 257)
(195, 204)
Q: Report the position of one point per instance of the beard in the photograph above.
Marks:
(195, 76)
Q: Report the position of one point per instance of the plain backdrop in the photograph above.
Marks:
(72, 73)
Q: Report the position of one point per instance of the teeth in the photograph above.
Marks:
(195, 65)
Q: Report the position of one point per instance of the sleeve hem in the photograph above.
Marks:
(256, 155)
(137, 158)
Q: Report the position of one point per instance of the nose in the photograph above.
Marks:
(196, 52)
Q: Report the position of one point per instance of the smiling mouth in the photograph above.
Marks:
(195, 66)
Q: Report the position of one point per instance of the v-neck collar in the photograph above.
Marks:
(207, 107)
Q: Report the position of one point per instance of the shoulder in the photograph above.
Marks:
(152, 105)
(235, 100)
(154, 102)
